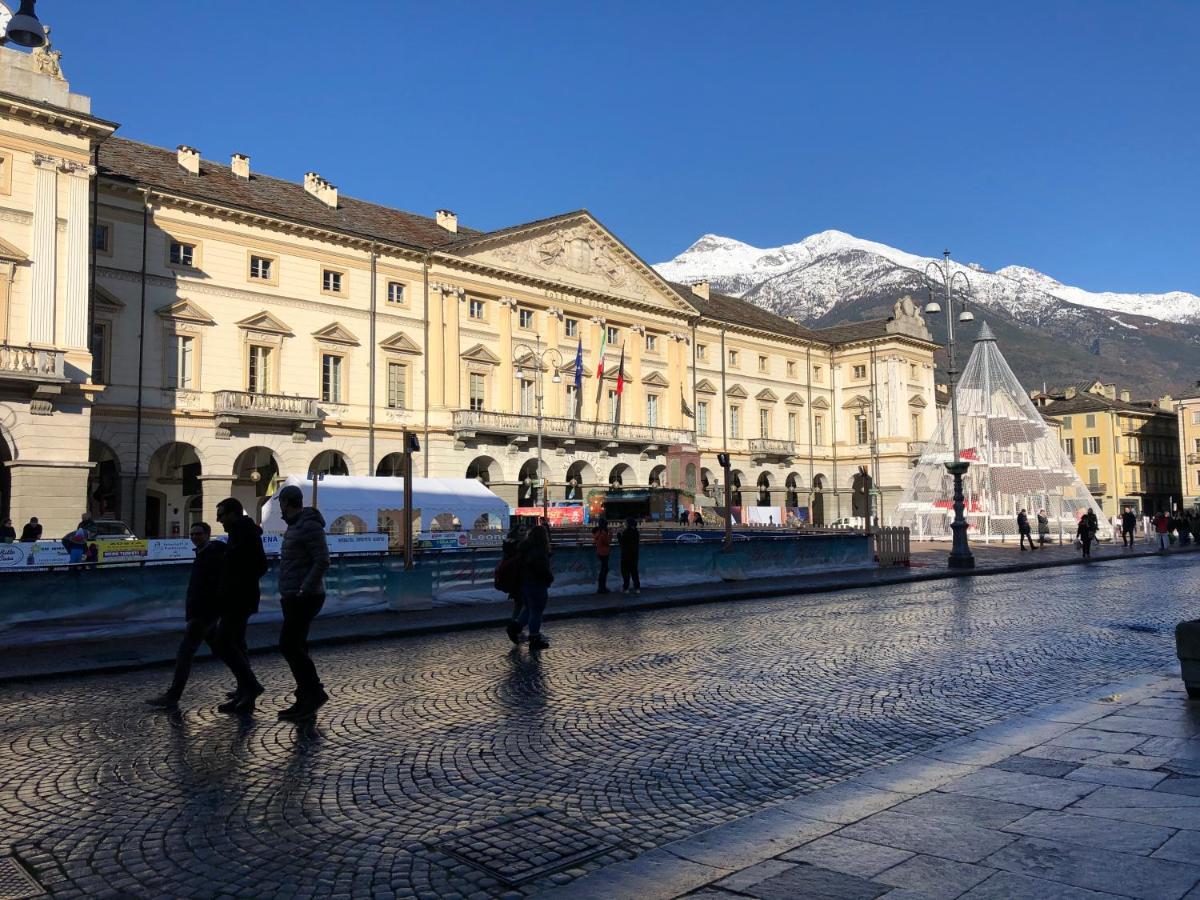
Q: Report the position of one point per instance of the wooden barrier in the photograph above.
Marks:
(891, 546)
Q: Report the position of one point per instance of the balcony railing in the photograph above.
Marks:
(469, 420)
(30, 364)
(1098, 490)
(241, 405)
(1135, 456)
(1193, 458)
(772, 447)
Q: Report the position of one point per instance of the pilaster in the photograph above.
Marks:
(453, 376)
(554, 393)
(435, 353)
(215, 488)
(505, 397)
(75, 326)
(635, 394)
(44, 255)
(593, 403)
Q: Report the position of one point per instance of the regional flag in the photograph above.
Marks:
(579, 379)
(600, 367)
(620, 383)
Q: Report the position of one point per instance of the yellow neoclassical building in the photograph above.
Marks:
(177, 330)
(1187, 410)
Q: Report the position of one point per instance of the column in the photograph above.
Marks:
(635, 399)
(215, 489)
(75, 327)
(593, 403)
(554, 393)
(453, 376)
(45, 249)
(504, 396)
(55, 492)
(435, 352)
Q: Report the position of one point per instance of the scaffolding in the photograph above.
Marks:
(1016, 462)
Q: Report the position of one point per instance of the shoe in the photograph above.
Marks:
(239, 705)
(236, 692)
(538, 643)
(513, 629)
(165, 700)
(637, 590)
(624, 590)
(304, 707)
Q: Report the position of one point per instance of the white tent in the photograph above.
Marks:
(367, 499)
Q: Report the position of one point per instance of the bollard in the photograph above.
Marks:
(1187, 648)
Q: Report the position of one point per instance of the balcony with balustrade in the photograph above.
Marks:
(763, 449)
(1098, 489)
(35, 372)
(517, 429)
(248, 407)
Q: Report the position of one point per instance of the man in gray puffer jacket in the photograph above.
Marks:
(303, 559)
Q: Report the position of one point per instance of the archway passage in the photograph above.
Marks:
(174, 491)
(329, 462)
(706, 482)
(104, 482)
(764, 489)
(792, 487)
(391, 466)
(485, 469)
(657, 475)
(735, 488)
(529, 483)
(580, 476)
(620, 475)
(860, 500)
(255, 479)
(818, 501)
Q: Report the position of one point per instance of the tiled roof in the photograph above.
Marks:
(735, 311)
(157, 167)
(1096, 403)
(854, 331)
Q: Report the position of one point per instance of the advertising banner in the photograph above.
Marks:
(122, 551)
(558, 515)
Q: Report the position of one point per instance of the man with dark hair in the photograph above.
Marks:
(201, 611)
(245, 563)
(303, 559)
(1128, 524)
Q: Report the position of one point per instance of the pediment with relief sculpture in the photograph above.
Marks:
(574, 249)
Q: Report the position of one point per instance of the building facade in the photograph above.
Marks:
(1125, 451)
(1187, 412)
(179, 330)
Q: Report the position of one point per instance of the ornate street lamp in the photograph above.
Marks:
(537, 361)
(960, 551)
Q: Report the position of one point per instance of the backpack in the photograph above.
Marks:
(506, 577)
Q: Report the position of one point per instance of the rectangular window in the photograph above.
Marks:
(793, 420)
(762, 364)
(818, 372)
(1091, 446)
(183, 362)
(612, 406)
(860, 372)
(525, 318)
(791, 368)
(764, 423)
(702, 353)
(262, 268)
(818, 430)
(613, 334)
(652, 343)
(102, 238)
(572, 401)
(395, 293)
(915, 423)
(860, 429)
(331, 281)
(258, 379)
(397, 378)
(1066, 423)
(1069, 446)
(99, 352)
(1090, 421)
(183, 254)
(571, 327)
(1196, 417)
(528, 399)
(1093, 476)
(912, 371)
(1196, 445)
(478, 386)
(475, 309)
(652, 409)
(735, 421)
(702, 417)
(331, 378)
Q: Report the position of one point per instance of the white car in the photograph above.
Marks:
(849, 522)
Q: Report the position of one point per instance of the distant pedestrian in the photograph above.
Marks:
(32, 531)
(1085, 534)
(303, 560)
(88, 524)
(1128, 524)
(1043, 524)
(8, 534)
(631, 546)
(697, 516)
(244, 564)
(1185, 528)
(507, 578)
(201, 609)
(1162, 527)
(75, 543)
(536, 578)
(602, 541)
(1024, 530)
(683, 517)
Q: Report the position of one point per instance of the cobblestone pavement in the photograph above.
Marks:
(435, 754)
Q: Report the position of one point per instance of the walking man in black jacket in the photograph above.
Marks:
(303, 559)
(631, 548)
(244, 564)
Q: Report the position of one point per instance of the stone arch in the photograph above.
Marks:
(707, 481)
(174, 490)
(792, 488)
(256, 476)
(330, 462)
(657, 476)
(580, 476)
(390, 466)
(690, 477)
(104, 482)
(861, 486)
(764, 489)
(485, 469)
(817, 502)
(735, 487)
(529, 482)
(621, 475)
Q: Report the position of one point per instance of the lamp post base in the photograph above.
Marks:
(960, 551)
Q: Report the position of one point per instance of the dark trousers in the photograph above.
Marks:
(602, 581)
(231, 635)
(1087, 545)
(227, 640)
(298, 612)
(197, 632)
(1029, 535)
(629, 570)
(1127, 537)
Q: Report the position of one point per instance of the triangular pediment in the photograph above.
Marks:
(568, 368)
(858, 401)
(657, 379)
(336, 333)
(917, 401)
(766, 395)
(400, 343)
(12, 253)
(736, 391)
(185, 311)
(573, 249)
(529, 361)
(106, 299)
(793, 399)
(264, 321)
(704, 386)
(820, 403)
(481, 354)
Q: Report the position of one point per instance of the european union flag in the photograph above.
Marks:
(579, 379)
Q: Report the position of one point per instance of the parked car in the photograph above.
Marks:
(849, 522)
(111, 530)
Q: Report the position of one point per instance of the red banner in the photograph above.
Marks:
(558, 515)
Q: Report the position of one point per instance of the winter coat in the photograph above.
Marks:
(304, 556)
(631, 544)
(1128, 521)
(245, 564)
(204, 582)
(1023, 523)
(31, 533)
(1084, 530)
(602, 539)
(534, 558)
(1043, 526)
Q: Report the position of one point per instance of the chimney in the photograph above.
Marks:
(447, 220)
(1125, 397)
(1110, 391)
(189, 159)
(700, 289)
(240, 164)
(318, 187)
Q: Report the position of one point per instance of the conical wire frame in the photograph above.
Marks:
(1016, 462)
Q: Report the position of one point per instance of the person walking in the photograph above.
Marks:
(1162, 527)
(507, 578)
(200, 609)
(1025, 531)
(602, 541)
(536, 578)
(303, 560)
(1128, 524)
(244, 564)
(631, 545)
(1043, 524)
(32, 531)
(1085, 533)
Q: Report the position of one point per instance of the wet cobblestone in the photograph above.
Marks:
(641, 729)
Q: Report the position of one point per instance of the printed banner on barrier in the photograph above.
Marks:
(122, 551)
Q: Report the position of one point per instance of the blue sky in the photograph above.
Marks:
(1058, 135)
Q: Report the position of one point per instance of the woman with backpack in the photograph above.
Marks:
(533, 559)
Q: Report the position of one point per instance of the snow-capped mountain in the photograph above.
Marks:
(810, 278)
